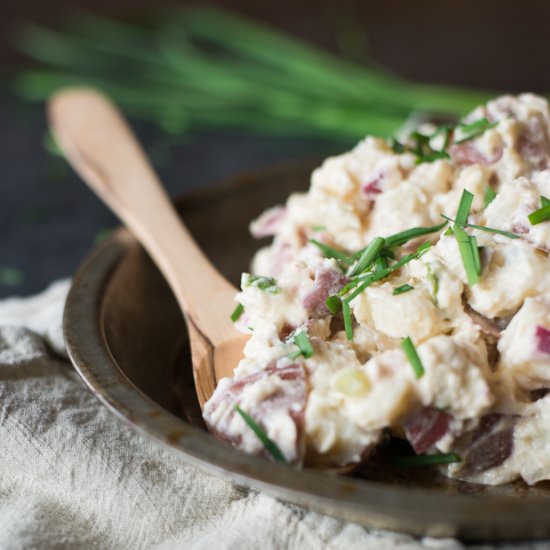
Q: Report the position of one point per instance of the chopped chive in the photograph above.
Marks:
(412, 356)
(381, 263)
(237, 312)
(378, 276)
(484, 228)
(434, 279)
(334, 304)
(488, 197)
(368, 256)
(347, 320)
(544, 201)
(11, 276)
(540, 215)
(271, 447)
(475, 253)
(464, 208)
(466, 248)
(267, 284)
(431, 157)
(330, 252)
(301, 340)
(399, 239)
(402, 289)
(318, 228)
(449, 232)
(396, 146)
(474, 129)
(423, 248)
(416, 461)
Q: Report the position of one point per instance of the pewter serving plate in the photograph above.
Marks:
(127, 340)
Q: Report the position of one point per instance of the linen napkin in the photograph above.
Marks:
(72, 475)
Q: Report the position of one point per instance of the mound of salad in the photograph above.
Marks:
(406, 293)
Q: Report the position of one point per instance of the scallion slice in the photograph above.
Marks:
(402, 289)
(271, 447)
(237, 312)
(416, 461)
(544, 201)
(540, 215)
(412, 356)
(370, 253)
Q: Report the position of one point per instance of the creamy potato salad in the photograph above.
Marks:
(406, 293)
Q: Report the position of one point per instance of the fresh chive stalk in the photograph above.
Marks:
(271, 447)
(467, 247)
(488, 197)
(368, 256)
(237, 312)
(305, 349)
(348, 323)
(330, 252)
(334, 304)
(473, 130)
(399, 239)
(486, 229)
(540, 215)
(418, 461)
(544, 201)
(412, 355)
(402, 289)
(464, 206)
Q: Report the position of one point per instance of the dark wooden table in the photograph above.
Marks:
(48, 219)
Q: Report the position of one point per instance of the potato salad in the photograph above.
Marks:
(407, 293)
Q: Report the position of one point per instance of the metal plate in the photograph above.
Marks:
(127, 340)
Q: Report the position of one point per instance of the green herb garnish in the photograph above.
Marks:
(475, 129)
(348, 324)
(540, 215)
(488, 197)
(434, 279)
(368, 256)
(318, 228)
(237, 312)
(464, 206)
(330, 252)
(469, 253)
(301, 340)
(334, 304)
(485, 228)
(416, 461)
(271, 447)
(544, 201)
(402, 289)
(412, 356)
(399, 239)
(267, 284)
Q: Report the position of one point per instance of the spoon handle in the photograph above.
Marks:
(100, 146)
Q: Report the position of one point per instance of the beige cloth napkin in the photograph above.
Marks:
(74, 476)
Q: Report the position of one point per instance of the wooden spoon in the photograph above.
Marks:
(99, 144)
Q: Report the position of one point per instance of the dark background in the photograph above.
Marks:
(48, 219)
